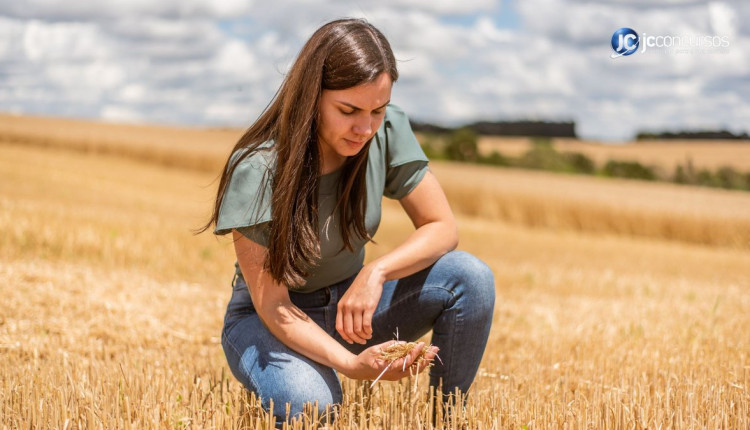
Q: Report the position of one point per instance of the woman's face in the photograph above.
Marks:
(349, 118)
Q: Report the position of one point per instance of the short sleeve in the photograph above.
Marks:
(247, 200)
(259, 233)
(401, 180)
(406, 162)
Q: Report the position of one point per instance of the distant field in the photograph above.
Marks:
(199, 149)
(205, 149)
(112, 310)
(662, 153)
(529, 198)
(599, 205)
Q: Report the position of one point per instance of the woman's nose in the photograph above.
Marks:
(362, 127)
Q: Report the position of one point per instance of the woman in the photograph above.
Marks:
(301, 195)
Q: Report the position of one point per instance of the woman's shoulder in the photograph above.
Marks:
(394, 115)
(395, 139)
(246, 199)
(261, 157)
(395, 124)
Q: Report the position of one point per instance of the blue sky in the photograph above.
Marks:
(218, 63)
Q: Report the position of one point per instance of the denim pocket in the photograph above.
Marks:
(315, 305)
(316, 299)
(240, 303)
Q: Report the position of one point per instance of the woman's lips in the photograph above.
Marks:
(354, 142)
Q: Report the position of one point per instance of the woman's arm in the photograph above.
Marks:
(436, 231)
(436, 234)
(297, 331)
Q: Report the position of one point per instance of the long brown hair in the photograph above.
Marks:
(341, 54)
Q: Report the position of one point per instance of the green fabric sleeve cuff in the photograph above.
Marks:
(247, 199)
(402, 180)
(259, 233)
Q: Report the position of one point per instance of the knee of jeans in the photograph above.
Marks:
(475, 275)
(306, 401)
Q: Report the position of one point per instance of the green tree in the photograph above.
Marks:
(680, 176)
(729, 178)
(543, 158)
(706, 178)
(629, 169)
(580, 163)
(462, 145)
(542, 155)
(495, 159)
(431, 147)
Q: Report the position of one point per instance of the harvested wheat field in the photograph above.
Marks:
(111, 310)
(665, 154)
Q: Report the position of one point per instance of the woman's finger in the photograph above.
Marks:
(357, 328)
(414, 353)
(355, 337)
(347, 315)
(367, 323)
(432, 353)
(349, 335)
(340, 324)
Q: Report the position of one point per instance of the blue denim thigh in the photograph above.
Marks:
(270, 369)
(455, 298)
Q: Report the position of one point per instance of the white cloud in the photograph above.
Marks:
(486, 32)
(133, 93)
(235, 59)
(117, 9)
(120, 113)
(440, 6)
(174, 61)
(723, 19)
(615, 98)
(62, 41)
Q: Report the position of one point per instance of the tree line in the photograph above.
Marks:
(462, 145)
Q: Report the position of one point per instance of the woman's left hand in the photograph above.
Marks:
(357, 305)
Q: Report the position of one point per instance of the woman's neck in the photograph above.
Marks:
(330, 161)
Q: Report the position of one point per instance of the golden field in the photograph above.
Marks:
(663, 211)
(621, 304)
(666, 154)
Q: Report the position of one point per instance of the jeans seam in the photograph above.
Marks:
(449, 369)
(412, 294)
(242, 363)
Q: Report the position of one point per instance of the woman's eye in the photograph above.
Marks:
(376, 112)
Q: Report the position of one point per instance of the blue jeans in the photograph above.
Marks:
(454, 297)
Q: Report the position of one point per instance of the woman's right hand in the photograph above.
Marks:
(369, 364)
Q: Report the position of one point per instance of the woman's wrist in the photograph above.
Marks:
(348, 366)
(378, 270)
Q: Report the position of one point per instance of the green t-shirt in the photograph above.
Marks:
(396, 164)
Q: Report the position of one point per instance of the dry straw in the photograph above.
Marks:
(98, 270)
(400, 350)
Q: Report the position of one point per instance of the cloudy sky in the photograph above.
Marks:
(219, 62)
